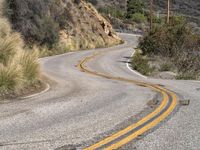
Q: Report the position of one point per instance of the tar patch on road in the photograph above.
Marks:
(153, 103)
(68, 147)
(184, 102)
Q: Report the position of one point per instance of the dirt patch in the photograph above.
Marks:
(165, 75)
(162, 68)
(37, 87)
(67, 147)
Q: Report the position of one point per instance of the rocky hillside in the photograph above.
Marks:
(188, 8)
(73, 23)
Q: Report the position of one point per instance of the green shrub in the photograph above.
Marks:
(148, 43)
(140, 63)
(48, 32)
(138, 18)
(186, 76)
(61, 48)
(175, 41)
(166, 40)
(134, 6)
(166, 67)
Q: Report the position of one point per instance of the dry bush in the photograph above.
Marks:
(188, 62)
(10, 79)
(178, 43)
(5, 29)
(37, 20)
(9, 46)
(17, 65)
(29, 65)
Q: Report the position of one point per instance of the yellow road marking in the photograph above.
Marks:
(159, 89)
(145, 128)
(131, 127)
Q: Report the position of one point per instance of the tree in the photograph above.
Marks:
(134, 6)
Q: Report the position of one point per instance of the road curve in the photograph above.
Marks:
(81, 109)
(131, 132)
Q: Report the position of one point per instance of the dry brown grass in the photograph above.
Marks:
(29, 64)
(18, 66)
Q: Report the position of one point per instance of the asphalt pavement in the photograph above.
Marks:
(80, 108)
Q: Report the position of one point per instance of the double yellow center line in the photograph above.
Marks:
(124, 136)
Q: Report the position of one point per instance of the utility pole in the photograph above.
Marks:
(168, 11)
(151, 14)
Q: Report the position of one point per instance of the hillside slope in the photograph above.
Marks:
(74, 23)
(189, 8)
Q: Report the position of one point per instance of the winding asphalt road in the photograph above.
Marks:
(80, 108)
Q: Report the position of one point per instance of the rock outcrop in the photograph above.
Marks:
(87, 28)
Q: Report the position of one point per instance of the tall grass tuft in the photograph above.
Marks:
(30, 66)
(19, 68)
(9, 46)
(5, 28)
(10, 79)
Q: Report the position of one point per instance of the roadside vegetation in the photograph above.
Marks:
(136, 11)
(175, 47)
(57, 26)
(170, 44)
(39, 22)
(35, 28)
(140, 63)
(129, 15)
(19, 68)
